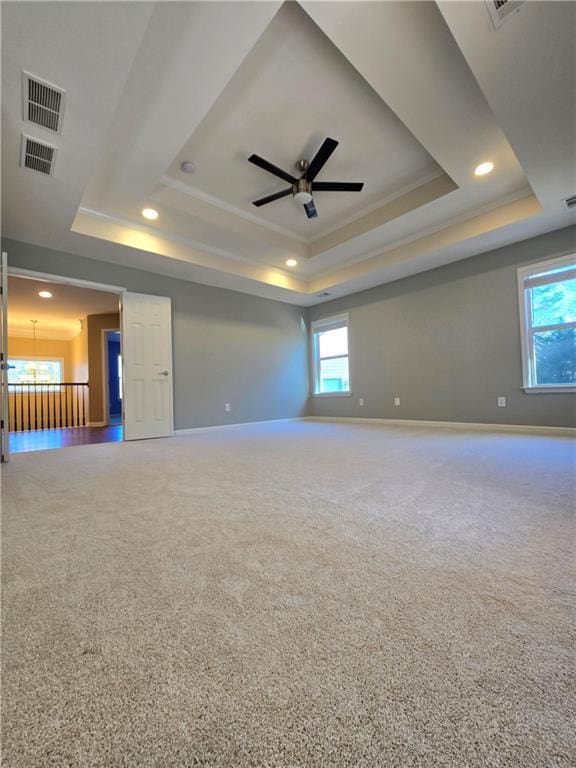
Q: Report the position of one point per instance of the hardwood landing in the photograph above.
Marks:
(46, 439)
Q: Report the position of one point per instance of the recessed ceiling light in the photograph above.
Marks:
(45, 294)
(187, 167)
(291, 263)
(150, 213)
(483, 169)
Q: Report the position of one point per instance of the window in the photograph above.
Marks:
(548, 318)
(38, 371)
(330, 356)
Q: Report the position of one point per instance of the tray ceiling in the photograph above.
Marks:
(414, 93)
(293, 90)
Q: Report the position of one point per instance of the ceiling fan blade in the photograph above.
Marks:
(310, 209)
(337, 186)
(271, 198)
(320, 158)
(266, 166)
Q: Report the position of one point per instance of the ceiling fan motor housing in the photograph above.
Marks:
(301, 188)
(302, 191)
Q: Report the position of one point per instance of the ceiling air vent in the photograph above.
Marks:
(501, 10)
(37, 155)
(43, 102)
(570, 202)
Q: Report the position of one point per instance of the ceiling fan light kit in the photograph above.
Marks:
(303, 187)
(302, 191)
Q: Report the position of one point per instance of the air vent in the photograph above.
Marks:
(501, 10)
(37, 155)
(322, 295)
(43, 102)
(570, 202)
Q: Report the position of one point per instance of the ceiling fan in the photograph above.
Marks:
(303, 187)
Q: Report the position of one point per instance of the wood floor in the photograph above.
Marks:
(45, 439)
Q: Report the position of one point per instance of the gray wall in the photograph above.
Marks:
(228, 346)
(447, 342)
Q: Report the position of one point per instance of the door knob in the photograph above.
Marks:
(164, 373)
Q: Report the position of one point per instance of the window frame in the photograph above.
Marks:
(527, 330)
(35, 358)
(315, 327)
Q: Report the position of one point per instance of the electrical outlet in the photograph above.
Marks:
(360, 401)
(227, 406)
(501, 402)
(396, 401)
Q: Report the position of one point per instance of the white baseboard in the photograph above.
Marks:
(194, 430)
(477, 426)
(97, 424)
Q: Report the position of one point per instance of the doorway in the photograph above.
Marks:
(113, 366)
(113, 395)
(55, 360)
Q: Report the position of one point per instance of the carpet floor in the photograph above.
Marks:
(291, 595)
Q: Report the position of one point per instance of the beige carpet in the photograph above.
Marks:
(291, 595)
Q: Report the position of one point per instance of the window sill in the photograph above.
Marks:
(555, 389)
(331, 394)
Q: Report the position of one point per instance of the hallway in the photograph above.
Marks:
(46, 439)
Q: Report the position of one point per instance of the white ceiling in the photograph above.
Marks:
(58, 317)
(417, 94)
(293, 90)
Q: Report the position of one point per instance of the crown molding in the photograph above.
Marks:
(202, 247)
(185, 189)
(52, 334)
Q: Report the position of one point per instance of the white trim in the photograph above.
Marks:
(105, 397)
(48, 277)
(381, 202)
(526, 329)
(4, 402)
(544, 266)
(322, 322)
(46, 334)
(557, 388)
(550, 277)
(459, 425)
(524, 193)
(204, 197)
(97, 424)
(333, 322)
(347, 393)
(554, 327)
(199, 246)
(194, 430)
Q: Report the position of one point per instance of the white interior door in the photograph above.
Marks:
(4, 407)
(147, 366)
